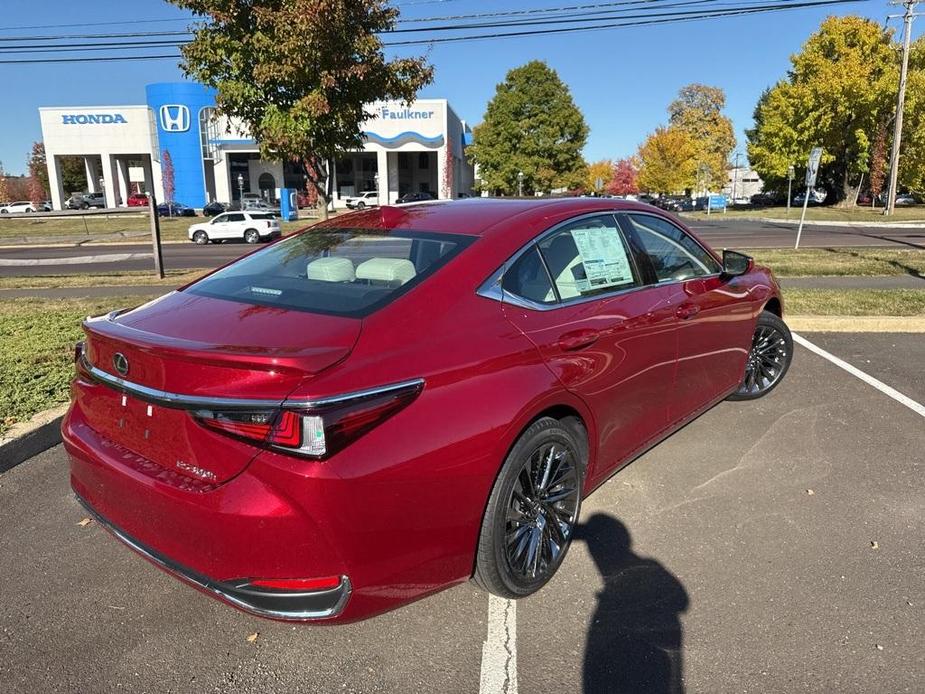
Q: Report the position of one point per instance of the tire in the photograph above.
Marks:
(200, 238)
(518, 550)
(84, 206)
(251, 236)
(768, 359)
(361, 205)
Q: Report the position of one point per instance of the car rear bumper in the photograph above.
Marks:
(218, 538)
(273, 604)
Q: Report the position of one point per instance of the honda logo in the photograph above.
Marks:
(174, 118)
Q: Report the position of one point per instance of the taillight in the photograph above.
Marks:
(318, 430)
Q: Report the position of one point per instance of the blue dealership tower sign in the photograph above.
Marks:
(176, 108)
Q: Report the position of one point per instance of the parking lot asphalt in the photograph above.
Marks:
(769, 546)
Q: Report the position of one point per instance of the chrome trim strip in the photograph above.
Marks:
(192, 402)
(223, 591)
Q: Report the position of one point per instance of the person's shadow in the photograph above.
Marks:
(634, 641)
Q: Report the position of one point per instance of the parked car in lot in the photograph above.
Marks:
(137, 200)
(213, 208)
(20, 207)
(369, 198)
(414, 197)
(260, 206)
(84, 201)
(905, 200)
(817, 197)
(400, 399)
(247, 226)
(674, 203)
(172, 208)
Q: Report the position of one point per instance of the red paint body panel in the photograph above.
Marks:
(399, 509)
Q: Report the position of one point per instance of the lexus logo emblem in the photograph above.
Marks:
(175, 118)
(120, 363)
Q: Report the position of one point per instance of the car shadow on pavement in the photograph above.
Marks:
(634, 641)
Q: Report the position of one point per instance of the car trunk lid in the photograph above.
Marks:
(201, 349)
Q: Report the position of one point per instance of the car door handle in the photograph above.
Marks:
(578, 339)
(687, 311)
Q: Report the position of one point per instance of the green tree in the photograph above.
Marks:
(667, 161)
(912, 155)
(73, 174)
(698, 111)
(4, 186)
(300, 73)
(836, 95)
(532, 126)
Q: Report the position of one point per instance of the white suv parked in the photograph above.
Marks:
(367, 198)
(249, 226)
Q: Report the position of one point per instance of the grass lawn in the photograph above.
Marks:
(915, 213)
(37, 351)
(812, 262)
(855, 302)
(173, 278)
(76, 228)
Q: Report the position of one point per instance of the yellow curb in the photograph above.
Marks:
(857, 324)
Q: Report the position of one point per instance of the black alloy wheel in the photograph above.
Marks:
(768, 359)
(532, 511)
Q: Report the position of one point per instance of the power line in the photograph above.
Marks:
(648, 19)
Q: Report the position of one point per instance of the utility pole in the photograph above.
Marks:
(908, 15)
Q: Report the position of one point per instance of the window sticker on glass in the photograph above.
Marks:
(604, 257)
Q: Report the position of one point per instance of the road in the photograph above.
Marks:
(722, 233)
(744, 542)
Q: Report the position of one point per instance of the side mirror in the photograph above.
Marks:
(735, 263)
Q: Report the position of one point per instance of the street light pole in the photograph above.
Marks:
(890, 206)
(241, 191)
(520, 184)
(735, 177)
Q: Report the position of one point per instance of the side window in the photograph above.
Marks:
(674, 255)
(236, 218)
(220, 219)
(588, 257)
(527, 278)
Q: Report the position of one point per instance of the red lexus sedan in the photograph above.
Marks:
(402, 399)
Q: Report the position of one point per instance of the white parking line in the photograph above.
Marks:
(499, 652)
(916, 407)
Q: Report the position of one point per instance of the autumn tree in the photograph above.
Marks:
(168, 176)
(835, 96)
(667, 161)
(623, 178)
(698, 111)
(300, 73)
(4, 186)
(598, 176)
(878, 165)
(38, 172)
(912, 155)
(533, 126)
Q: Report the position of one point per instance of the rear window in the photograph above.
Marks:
(340, 272)
(261, 215)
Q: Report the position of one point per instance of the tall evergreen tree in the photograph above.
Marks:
(532, 126)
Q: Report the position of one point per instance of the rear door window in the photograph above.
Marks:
(341, 272)
(528, 279)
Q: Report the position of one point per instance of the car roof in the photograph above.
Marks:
(476, 216)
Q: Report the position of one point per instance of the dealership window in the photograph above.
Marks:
(424, 160)
(208, 132)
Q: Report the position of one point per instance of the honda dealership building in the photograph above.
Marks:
(126, 149)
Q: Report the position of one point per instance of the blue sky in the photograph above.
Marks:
(621, 79)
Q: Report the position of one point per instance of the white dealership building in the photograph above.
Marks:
(417, 147)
